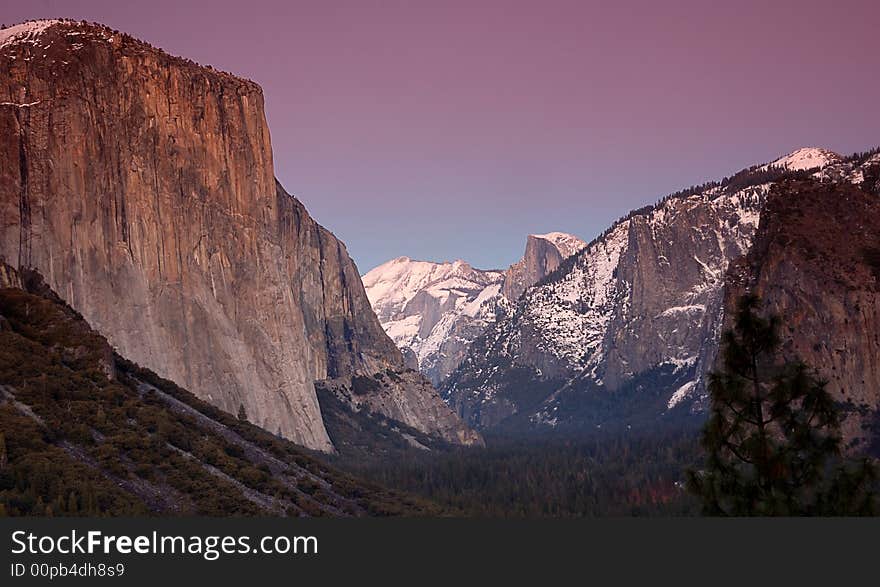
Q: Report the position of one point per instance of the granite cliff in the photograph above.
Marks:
(87, 432)
(141, 185)
(815, 262)
(543, 254)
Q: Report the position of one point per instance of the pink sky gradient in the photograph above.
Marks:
(441, 130)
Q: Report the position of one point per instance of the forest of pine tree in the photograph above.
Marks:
(603, 475)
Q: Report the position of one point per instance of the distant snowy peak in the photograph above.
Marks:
(807, 158)
(26, 32)
(392, 285)
(435, 310)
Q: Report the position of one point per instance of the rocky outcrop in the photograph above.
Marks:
(815, 263)
(544, 253)
(9, 277)
(142, 187)
(433, 311)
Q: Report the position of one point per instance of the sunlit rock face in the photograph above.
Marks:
(142, 187)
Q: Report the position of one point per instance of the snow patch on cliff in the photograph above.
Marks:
(570, 315)
(681, 394)
(26, 32)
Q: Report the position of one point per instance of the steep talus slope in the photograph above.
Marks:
(142, 186)
(89, 433)
(816, 263)
(433, 311)
(628, 326)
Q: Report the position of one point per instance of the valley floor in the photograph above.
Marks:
(603, 475)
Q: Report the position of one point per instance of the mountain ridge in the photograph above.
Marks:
(433, 311)
(640, 306)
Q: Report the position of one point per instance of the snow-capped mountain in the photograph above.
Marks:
(806, 158)
(433, 311)
(636, 312)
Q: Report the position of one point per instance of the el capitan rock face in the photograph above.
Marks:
(142, 187)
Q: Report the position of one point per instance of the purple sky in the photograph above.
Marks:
(441, 130)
